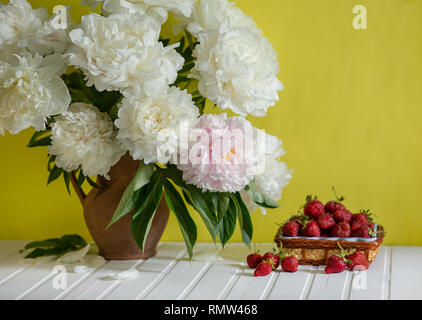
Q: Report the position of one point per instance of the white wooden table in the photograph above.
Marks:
(395, 274)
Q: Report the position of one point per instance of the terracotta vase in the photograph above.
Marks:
(117, 242)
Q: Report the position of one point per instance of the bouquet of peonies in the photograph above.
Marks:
(113, 85)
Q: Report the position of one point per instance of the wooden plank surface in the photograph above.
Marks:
(213, 274)
(406, 273)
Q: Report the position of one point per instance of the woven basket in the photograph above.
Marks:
(317, 251)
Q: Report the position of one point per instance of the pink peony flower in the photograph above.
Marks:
(221, 154)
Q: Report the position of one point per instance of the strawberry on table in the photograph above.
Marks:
(357, 261)
(341, 229)
(254, 259)
(263, 269)
(273, 257)
(289, 264)
(337, 263)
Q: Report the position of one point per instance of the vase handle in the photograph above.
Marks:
(78, 190)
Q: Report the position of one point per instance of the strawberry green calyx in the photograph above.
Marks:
(310, 198)
(338, 199)
(270, 261)
(370, 215)
(345, 252)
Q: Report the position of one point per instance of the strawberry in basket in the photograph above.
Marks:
(314, 233)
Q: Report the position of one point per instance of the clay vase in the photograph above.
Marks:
(117, 242)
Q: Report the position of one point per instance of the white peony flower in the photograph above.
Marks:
(31, 90)
(237, 70)
(156, 8)
(122, 52)
(22, 27)
(276, 175)
(85, 137)
(145, 123)
(216, 15)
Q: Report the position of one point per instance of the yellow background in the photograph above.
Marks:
(350, 116)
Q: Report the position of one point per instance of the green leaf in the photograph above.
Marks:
(223, 205)
(54, 174)
(200, 103)
(42, 244)
(46, 141)
(41, 252)
(259, 198)
(72, 240)
(200, 201)
(80, 92)
(187, 67)
(181, 46)
(190, 39)
(81, 179)
(55, 246)
(142, 218)
(92, 183)
(50, 161)
(227, 224)
(244, 218)
(178, 207)
(141, 178)
(181, 79)
(195, 198)
(36, 135)
(66, 177)
(165, 42)
(79, 95)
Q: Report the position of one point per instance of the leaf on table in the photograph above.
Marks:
(54, 246)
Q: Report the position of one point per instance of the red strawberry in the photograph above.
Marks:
(254, 259)
(291, 229)
(342, 215)
(341, 229)
(313, 208)
(263, 269)
(325, 221)
(312, 229)
(273, 257)
(289, 264)
(360, 220)
(296, 218)
(332, 206)
(335, 264)
(357, 260)
(362, 232)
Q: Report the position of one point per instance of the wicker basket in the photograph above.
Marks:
(317, 251)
